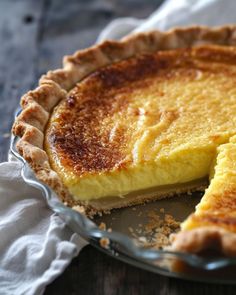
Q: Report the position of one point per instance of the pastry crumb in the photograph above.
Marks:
(102, 226)
(142, 239)
(79, 209)
(104, 243)
(156, 232)
(131, 229)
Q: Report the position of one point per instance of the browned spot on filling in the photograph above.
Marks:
(217, 220)
(81, 137)
(225, 201)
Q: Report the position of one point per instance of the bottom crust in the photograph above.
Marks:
(105, 205)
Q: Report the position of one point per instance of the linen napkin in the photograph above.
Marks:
(35, 244)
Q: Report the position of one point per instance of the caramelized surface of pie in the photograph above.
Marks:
(155, 120)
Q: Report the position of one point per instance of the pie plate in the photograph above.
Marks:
(126, 239)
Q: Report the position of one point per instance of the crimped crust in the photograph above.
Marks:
(53, 87)
(205, 238)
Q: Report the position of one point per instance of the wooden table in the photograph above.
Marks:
(34, 35)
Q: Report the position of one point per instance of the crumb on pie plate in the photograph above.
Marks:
(142, 119)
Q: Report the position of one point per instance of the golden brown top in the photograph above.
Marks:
(140, 109)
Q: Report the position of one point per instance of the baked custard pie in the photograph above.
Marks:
(142, 119)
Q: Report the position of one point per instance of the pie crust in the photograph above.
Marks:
(38, 104)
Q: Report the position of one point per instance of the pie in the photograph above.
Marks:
(145, 118)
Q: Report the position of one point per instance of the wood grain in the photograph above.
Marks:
(19, 28)
(96, 273)
(34, 35)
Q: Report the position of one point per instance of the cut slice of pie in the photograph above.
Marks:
(213, 224)
(137, 120)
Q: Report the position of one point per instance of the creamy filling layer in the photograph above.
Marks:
(180, 167)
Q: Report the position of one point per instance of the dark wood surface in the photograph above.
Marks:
(34, 35)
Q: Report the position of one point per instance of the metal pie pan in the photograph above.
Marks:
(127, 224)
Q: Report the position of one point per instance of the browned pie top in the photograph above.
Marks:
(98, 127)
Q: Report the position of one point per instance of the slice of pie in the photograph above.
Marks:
(213, 224)
(142, 119)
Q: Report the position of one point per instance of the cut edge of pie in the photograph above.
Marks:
(212, 225)
(38, 104)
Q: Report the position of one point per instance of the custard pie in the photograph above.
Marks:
(145, 118)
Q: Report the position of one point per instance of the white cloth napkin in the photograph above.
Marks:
(35, 244)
